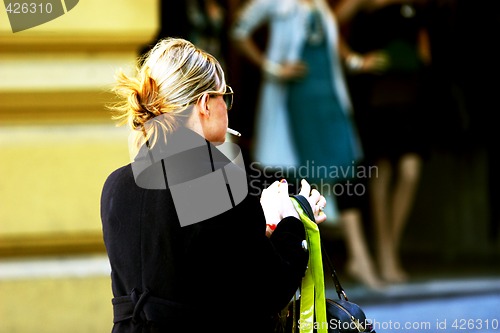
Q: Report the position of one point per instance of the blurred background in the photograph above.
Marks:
(58, 144)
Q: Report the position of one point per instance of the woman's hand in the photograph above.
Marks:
(315, 199)
(374, 62)
(276, 203)
(288, 71)
(293, 71)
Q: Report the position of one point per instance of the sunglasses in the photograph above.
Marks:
(228, 97)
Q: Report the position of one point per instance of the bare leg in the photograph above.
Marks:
(359, 262)
(380, 194)
(402, 199)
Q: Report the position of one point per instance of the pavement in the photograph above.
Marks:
(444, 305)
(437, 299)
(433, 288)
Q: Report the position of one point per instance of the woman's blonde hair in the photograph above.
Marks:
(169, 78)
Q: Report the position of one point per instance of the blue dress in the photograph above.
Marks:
(324, 134)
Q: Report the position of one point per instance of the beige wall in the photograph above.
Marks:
(62, 69)
(52, 305)
(52, 176)
(56, 137)
(57, 145)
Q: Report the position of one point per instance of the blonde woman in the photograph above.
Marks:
(186, 244)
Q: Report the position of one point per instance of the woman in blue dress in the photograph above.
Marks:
(303, 97)
(316, 111)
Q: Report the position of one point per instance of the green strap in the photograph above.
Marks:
(312, 293)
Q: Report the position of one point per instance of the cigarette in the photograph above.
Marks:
(233, 132)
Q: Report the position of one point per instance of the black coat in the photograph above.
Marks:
(222, 274)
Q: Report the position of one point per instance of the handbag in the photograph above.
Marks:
(337, 315)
